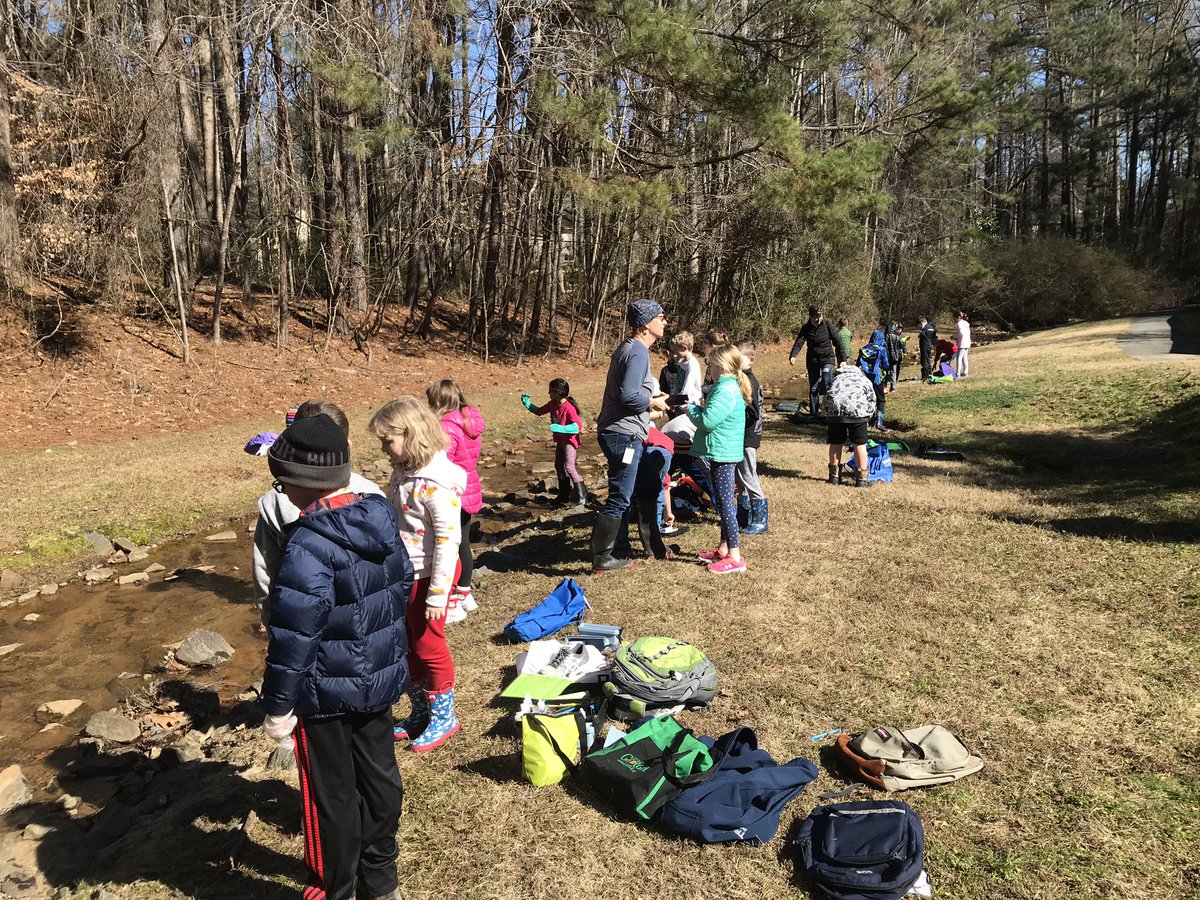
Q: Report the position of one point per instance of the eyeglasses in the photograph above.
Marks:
(278, 486)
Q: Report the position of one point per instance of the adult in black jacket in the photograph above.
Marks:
(824, 352)
(895, 350)
(928, 338)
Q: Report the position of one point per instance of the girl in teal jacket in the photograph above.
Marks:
(720, 438)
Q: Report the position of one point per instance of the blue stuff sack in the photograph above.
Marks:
(564, 606)
(868, 850)
(879, 462)
(743, 797)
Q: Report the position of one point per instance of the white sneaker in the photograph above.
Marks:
(567, 662)
(455, 613)
(466, 600)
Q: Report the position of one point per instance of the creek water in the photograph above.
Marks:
(102, 643)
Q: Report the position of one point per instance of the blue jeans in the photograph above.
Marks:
(820, 377)
(656, 461)
(622, 476)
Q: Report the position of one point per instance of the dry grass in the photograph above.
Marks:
(1000, 597)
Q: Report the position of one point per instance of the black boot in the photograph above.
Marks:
(581, 494)
(652, 541)
(604, 535)
(564, 492)
(835, 474)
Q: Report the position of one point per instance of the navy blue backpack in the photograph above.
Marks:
(564, 606)
(743, 796)
(868, 850)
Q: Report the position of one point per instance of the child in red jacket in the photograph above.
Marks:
(565, 425)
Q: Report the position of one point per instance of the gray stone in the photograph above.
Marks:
(102, 545)
(14, 789)
(49, 590)
(35, 832)
(118, 559)
(134, 578)
(282, 758)
(155, 567)
(96, 576)
(542, 468)
(8, 648)
(19, 883)
(137, 554)
(222, 536)
(178, 754)
(111, 726)
(10, 580)
(59, 709)
(203, 648)
(28, 595)
(32, 617)
(127, 546)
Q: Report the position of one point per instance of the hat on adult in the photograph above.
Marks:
(642, 312)
(311, 453)
(814, 310)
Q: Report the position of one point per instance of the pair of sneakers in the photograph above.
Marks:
(722, 565)
(567, 662)
(462, 601)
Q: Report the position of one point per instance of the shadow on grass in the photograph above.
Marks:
(1142, 469)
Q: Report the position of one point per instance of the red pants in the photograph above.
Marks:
(429, 661)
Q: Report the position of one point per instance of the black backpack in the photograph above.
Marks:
(868, 850)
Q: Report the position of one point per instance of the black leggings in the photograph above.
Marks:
(464, 552)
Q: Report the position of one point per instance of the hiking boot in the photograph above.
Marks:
(417, 720)
(862, 480)
(604, 535)
(835, 474)
(443, 723)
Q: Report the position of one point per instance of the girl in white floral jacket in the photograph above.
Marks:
(426, 489)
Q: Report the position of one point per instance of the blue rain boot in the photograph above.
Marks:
(743, 512)
(417, 720)
(758, 518)
(443, 723)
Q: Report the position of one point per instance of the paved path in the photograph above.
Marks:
(1163, 337)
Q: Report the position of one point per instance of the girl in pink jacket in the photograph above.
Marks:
(565, 425)
(463, 426)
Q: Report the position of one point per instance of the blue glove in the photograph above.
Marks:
(527, 402)
(565, 429)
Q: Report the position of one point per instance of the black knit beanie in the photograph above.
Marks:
(311, 453)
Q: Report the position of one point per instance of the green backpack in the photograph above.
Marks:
(655, 673)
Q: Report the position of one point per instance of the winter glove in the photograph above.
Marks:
(565, 429)
(527, 402)
(280, 728)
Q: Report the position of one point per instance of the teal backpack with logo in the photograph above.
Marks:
(656, 673)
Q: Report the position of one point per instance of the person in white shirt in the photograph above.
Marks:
(962, 337)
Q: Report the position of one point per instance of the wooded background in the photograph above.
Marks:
(520, 170)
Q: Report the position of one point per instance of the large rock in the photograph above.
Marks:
(8, 648)
(10, 580)
(203, 648)
(126, 546)
(58, 709)
(133, 578)
(542, 468)
(102, 545)
(95, 576)
(110, 726)
(14, 789)
(222, 536)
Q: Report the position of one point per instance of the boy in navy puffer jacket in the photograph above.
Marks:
(336, 662)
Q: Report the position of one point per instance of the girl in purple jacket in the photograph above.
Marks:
(464, 427)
